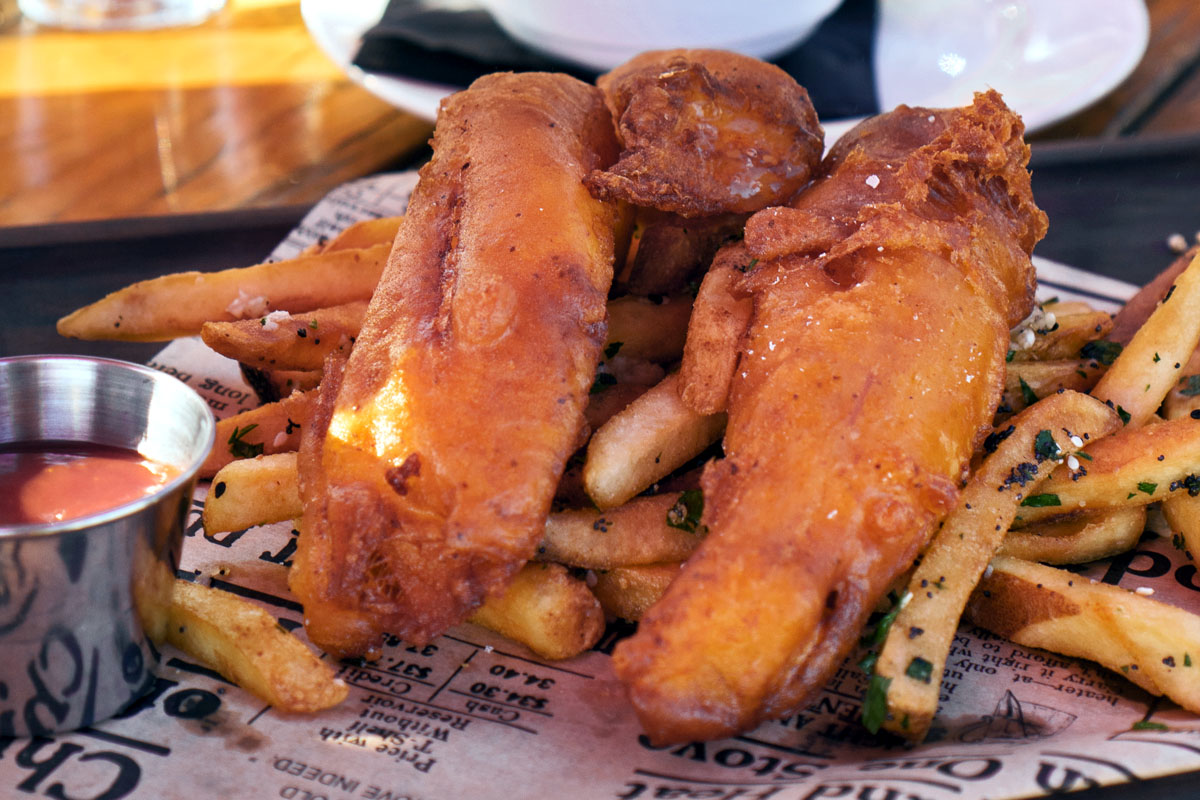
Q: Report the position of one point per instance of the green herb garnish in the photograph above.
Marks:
(240, 448)
(685, 514)
(1146, 487)
(603, 381)
(1100, 350)
(1041, 500)
(1045, 447)
(919, 669)
(874, 709)
(1147, 725)
(1026, 393)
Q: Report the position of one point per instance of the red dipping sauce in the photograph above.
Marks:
(55, 481)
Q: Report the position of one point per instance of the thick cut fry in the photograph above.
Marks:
(914, 654)
(653, 435)
(1066, 337)
(1182, 512)
(1152, 644)
(1026, 381)
(253, 491)
(365, 233)
(645, 530)
(246, 645)
(282, 340)
(178, 305)
(1133, 467)
(1138, 308)
(719, 319)
(1150, 364)
(651, 329)
(628, 592)
(266, 430)
(547, 610)
(428, 487)
(1078, 538)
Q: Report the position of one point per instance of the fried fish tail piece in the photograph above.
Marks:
(463, 396)
(871, 366)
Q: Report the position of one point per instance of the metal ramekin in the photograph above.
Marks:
(77, 597)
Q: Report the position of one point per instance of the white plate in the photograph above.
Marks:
(1049, 59)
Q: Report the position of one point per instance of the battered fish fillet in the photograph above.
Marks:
(708, 132)
(428, 472)
(872, 366)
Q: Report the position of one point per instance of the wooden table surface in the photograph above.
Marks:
(245, 112)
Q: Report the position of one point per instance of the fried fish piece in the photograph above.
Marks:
(429, 471)
(708, 132)
(872, 366)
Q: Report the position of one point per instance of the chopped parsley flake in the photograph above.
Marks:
(1041, 500)
(239, 447)
(685, 514)
(1124, 415)
(919, 670)
(874, 709)
(1027, 394)
(1100, 350)
(1045, 447)
(1147, 487)
(1147, 725)
(603, 381)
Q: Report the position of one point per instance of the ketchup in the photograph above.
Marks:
(57, 481)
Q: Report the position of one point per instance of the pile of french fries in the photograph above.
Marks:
(1088, 435)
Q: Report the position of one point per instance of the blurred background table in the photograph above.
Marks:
(244, 112)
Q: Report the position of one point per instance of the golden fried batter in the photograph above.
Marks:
(429, 473)
(708, 132)
(872, 366)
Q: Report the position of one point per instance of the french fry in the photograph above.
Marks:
(1078, 538)
(1151, 363)
(1138, 308)
(246, 645)
(628, 592)
(1152, 644)
(266, 430)
(653, 330)
(287, 341)
(1026, 381)
(1184, 397)
(365, 233)
(1069, 334)
(545, 609)
(645, 530)
(253, 491)
(909, 667)
(177, 305)
(1182, 512)
(719, 320)
(653, 435)
(1133, 467)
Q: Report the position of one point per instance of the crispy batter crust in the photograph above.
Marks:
(872, 365)
(464, 393)
(708, 132)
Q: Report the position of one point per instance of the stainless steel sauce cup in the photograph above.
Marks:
(78, 598)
